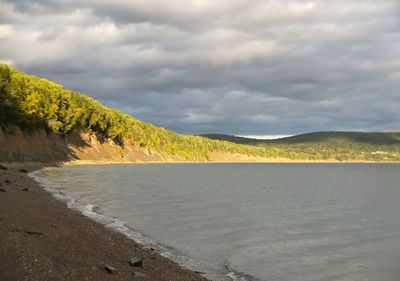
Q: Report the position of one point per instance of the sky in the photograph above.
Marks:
(243, 67)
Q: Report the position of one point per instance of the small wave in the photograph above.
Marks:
(217, 273)
(238, 276)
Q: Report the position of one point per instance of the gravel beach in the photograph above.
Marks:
(41, 239)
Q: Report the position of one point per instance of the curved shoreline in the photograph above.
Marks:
(66, 245)
(93, 212)
(45, 240)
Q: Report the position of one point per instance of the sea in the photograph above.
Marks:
(250, 221)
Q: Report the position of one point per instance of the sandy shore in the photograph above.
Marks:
(41, 239)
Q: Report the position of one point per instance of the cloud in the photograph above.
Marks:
(230, 66)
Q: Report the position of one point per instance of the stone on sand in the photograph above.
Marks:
(110, 269)
(138, 274)
(136, 261)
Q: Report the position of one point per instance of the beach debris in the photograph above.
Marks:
(3, 168)
(138, 274)
(30, 232)
(23, 171)
(25, 189)
(110, 269)
(2, 190)
(136, 261)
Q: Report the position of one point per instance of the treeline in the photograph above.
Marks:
(34, 103)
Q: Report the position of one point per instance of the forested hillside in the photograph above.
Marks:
(33, 103)
(342, 146)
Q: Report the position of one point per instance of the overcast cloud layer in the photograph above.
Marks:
(244, 67)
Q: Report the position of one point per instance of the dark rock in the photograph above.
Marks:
(3, 168)
(23, 171)
(136, 261)
(25, 189)
(110, 269)
(7, 181)
(30, 232)
(2, 190)
(138, 274)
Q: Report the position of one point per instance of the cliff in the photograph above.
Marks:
(18, 145)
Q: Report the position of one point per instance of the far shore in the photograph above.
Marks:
(272, 161)
(39, 165)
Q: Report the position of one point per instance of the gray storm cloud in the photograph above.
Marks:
(231, 66)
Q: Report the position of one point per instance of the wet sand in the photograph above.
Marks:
(41, 239)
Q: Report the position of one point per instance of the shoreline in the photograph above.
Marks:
(94, 213)
(67, 245)
(89, 162)
(36, 165)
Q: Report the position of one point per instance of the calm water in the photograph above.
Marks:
(284, 222)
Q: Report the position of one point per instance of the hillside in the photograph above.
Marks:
(341, 146)
(39, 119)
(234, 139)
(42, 121)
(317, 137)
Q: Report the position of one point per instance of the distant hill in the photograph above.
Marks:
(342, 146)
(234, 139)
(391, 138)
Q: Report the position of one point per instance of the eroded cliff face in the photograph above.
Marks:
(89, 147)
(17, 145)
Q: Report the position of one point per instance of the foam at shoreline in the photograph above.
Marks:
(223, 273)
